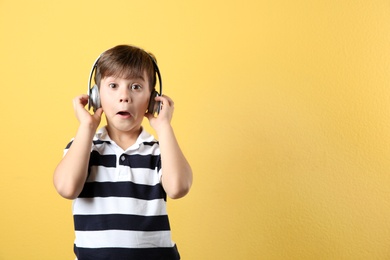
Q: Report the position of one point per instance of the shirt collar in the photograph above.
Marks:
(144, 136)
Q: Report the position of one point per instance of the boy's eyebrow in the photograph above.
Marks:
(140, 77)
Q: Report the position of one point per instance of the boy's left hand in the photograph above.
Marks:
(165, 116)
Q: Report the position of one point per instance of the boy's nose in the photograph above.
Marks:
(125, 97)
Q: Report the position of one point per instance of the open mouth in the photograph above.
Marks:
(123, 113)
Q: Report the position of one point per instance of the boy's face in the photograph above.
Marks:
(124, 102)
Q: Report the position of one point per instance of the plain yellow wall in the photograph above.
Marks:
(282, 108)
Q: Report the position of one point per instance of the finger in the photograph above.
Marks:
(82, 99)
(98, 113)
(165, 100)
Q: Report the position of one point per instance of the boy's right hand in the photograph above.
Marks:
(82, 114)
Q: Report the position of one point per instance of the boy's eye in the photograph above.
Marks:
(112, 85)
(136, 87)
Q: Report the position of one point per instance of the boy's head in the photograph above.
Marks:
(126, 62)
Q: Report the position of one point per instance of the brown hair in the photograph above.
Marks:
(127, 62)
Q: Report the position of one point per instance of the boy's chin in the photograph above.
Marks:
(124, 128)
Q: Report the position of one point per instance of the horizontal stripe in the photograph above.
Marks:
(122, 189)
(100, 142)
(114, 205)
(122, 173)
(133, 161)
(123, 239)
(120, 222)
(69, 145)
(151, 143)
(102, 174)
(102, 160)
(166, 253)
(140, 161)
(144, 148)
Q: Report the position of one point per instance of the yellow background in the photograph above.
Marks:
(282, 109)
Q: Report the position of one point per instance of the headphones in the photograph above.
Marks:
(94, 97)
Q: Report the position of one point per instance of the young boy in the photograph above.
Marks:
(120, 175)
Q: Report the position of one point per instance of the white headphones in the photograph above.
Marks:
(94, 97)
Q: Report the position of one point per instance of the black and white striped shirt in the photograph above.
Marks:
(121, 211)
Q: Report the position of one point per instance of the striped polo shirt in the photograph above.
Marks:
(121, 211)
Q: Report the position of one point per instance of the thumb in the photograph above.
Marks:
(98, 113)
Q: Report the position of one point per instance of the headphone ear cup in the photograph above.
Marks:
(154, 106)
(94, 98)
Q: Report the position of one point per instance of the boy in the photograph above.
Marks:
(120, 175)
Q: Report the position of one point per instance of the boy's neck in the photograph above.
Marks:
(124, 139)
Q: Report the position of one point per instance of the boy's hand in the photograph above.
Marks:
(165, 116)
(83, 116)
